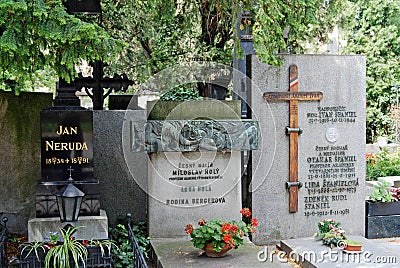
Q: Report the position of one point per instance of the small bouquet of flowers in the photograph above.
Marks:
(330, 232)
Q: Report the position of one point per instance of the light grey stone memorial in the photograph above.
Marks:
(194, 170)
(310, 164)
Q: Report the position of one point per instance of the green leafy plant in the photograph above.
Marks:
(123, 256)
(222, 233)
(325, 226)
(382, 164)
(33, 246)
(103, 244)
(180, 93)
(381, 192)
(60, 255)
(333, 237)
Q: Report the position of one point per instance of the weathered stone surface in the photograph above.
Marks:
(186, 187)
(122, 173)
(331, 147)
(180, 253)
(382, 208)
(20, 155)
(93, 227)
(193, 109)
(382, 226)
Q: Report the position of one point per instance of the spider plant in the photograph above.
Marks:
(103, 244)
(33, 247)
(70, 250)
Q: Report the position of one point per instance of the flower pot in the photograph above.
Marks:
(353, 246)
(356, 248)
(210, 252)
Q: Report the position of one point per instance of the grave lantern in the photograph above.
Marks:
(69, 201)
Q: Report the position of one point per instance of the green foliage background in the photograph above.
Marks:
(372, 28)
(39, 34)
(38, 39)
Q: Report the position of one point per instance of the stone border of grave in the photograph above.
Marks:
(381, 218)
(3, 242)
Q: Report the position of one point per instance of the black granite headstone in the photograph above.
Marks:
(67, 141)
(66, 146)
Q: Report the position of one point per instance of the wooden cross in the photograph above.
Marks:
(293, 96)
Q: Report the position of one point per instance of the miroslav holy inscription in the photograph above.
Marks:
(189, 172)
(192, 171)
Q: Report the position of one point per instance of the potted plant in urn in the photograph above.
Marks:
(217, 237)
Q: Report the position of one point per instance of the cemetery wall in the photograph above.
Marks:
(20, 155)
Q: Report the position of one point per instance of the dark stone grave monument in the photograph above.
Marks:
(67, 151)
(67, 143)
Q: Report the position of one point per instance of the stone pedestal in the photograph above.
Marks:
(93, 227)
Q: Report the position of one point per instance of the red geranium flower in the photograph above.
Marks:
(233, 229)
(189, 229)
(246, 212)
(227, 238)
(225, 227)
(254, 222)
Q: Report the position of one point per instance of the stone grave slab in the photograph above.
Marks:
(186, 187)
(93, 227)
(310, 164)
(310, 252)
(195, 165)
(180, 253)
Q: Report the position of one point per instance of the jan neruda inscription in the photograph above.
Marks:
(331, 114)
